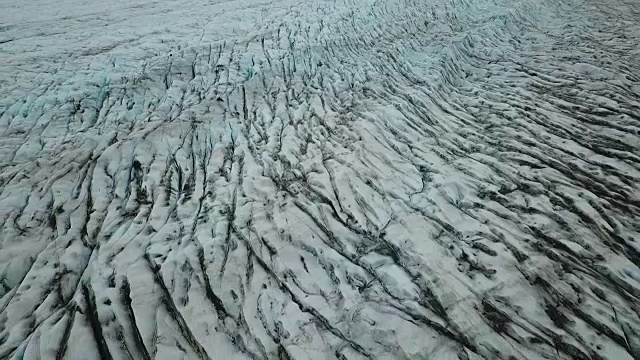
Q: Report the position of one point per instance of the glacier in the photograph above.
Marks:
(320, 179)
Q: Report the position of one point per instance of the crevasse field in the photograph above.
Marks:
(320, 179)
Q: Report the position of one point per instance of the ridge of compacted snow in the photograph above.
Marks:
(406, 179)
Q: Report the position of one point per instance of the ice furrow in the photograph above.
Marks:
(320, 179)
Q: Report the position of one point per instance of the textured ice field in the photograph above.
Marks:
(320, 179)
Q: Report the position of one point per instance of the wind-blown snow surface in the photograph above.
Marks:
(425, 179)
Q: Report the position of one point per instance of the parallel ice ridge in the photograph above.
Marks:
(407, 179)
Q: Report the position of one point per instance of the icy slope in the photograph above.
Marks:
(406, 179)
